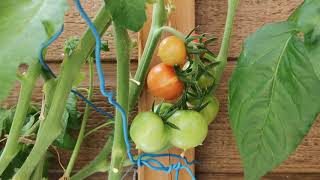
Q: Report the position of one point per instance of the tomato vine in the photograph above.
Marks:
(58, 112)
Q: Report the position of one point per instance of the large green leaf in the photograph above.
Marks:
(24, 25)
(307, 19)
(129, 13)
(273, 97)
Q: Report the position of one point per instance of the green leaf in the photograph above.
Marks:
(307, 18)
(64, 120)
(74, 120)
(273, 97)
(68, 142)
(25, 25)
(16, 163)
(28, 124)
(131, 14)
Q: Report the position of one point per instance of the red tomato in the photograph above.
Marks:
(197, 40)
(172, 50)
(163, 82)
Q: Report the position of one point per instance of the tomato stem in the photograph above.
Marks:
(98, 127)
(12, 146)
(99, 164)
(123, 48)
(174, 32)
(84, 121)
(223, 54)
(52, 126)
(159, 18)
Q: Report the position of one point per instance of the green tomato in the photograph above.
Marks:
(211, 110)
(205, 80)
(149, 133)
(193, 129)
(164, 107)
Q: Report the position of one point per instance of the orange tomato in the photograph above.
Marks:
(163, 82)
(172, 50)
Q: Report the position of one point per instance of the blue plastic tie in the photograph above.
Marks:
(144, 159)
(47, 68)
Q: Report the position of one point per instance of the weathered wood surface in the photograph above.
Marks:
(219, 158)
(210, 16)
(75, 26)
(251, 14)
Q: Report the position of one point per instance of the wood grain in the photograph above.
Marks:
(251, 14)
(210, 16)
(75, 26)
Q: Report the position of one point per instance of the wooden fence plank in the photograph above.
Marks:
(210, 15)
(251, 14)
(76, 26)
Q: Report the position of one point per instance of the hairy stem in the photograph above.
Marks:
(99, 164)
(224, 49)
(159, 18)
(52, 126)
(38, 172)
(98, 127)
(83, 123)
(174, 32)
(12, 146)
(123, 47)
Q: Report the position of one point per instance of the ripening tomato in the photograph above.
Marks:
(149, 133)
(193, 129)
(163, 82)
(172, 50)
(211, 110)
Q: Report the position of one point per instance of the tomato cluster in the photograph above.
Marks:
(186, 73)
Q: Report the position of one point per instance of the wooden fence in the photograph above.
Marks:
(218, 156)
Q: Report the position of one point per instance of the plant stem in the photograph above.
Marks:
(174, 32)
(83, 123)
(99, 164)
(98, 127)
(12, 146)
(71, 67)
(224, 49)
(123, 47)
(38, 172)
(159, 18)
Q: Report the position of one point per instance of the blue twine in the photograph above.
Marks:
(47, 68)
(144, 159)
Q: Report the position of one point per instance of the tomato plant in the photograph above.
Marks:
(31, 135)
(163, 82)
